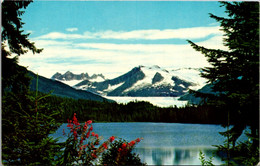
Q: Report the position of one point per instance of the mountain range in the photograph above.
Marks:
(141, 81)
(57, 88)
(71, 79)
(197, 100)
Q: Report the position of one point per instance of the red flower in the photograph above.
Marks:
(93, 134)
(123, 146)
(85, 127)
(96, 135)
(74, 117)
(112, 138)
(94, 155)
(91, 128)
(89, 122)
(75, 134)
(69, 124)
(138, 140)
(75, 120)
(88, 134)
(132, 143)
(104, 145)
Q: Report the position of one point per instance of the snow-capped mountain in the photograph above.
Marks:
(147, 81)
(72, 79)
(192, 75)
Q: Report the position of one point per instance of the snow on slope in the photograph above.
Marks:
(144, 81)
(191, 75)
(112, 87)
(187, 74)
(75, 82)
(70, 83)
(149, 73)
(98, 79)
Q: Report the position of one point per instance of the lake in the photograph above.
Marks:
(164, 143)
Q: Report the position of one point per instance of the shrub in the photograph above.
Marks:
(83, 147)
(120, 153)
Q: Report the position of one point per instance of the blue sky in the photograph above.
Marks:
(112, 37)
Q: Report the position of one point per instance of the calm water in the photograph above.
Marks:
(164, 143)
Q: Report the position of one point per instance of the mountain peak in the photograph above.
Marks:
(142, 81)
(46, 85)
(73, 79)
(155, 67)
(57, 74)
(68, 72)
(149, 67)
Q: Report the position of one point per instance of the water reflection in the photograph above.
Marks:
(164, 143)
(181, 155)
(175, 156)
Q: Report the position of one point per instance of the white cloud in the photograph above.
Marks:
(153, 34)
(184, 33)
(115, 59)
(111, 62)
(215, 42)
(58, 35)
(72, 29)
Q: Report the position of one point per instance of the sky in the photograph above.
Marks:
(112, 37)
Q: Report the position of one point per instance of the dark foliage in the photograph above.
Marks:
(46, 85)
(234, 74)
(110, 157)
(134, 112)
(27, 120)
(26, 129)
(12, 25)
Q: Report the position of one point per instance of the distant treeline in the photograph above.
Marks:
(134, 112)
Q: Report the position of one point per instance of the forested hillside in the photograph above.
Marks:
(46, 85)
(133, 112)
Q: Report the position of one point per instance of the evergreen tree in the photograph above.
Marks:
(14, 42)
(27, 120)
(12, 25)
(235, 73)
